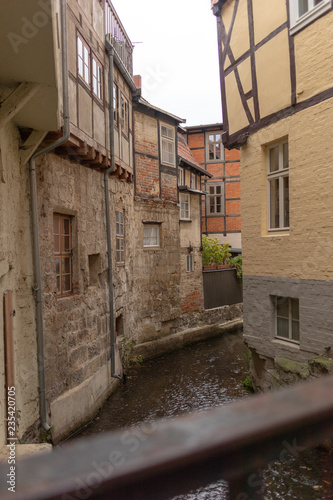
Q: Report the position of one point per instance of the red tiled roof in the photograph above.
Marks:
(184, 151)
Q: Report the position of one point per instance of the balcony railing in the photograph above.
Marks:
(160, 459)
(118, 38)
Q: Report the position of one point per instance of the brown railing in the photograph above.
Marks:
(158, 460)
(118, 38)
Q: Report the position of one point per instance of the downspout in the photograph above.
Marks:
(107, 215)
(34, 210)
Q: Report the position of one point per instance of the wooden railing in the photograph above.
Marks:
(160, 459)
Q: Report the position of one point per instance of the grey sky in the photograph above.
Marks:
(178, 57)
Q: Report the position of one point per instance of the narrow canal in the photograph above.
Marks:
(196, 378)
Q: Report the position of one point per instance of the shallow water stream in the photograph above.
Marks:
(196, 378)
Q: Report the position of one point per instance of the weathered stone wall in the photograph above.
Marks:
(156, 272)
(16, 274)
(77, 343)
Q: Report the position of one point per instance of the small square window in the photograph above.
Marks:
(167, 144)
(214, 147)
(62, 247)
(278, 186)
(189, 264)
(97, 78)
(181, 176)
(124, 114)
(120, 240)
(286, 312)
(83, 60)
(151, 235)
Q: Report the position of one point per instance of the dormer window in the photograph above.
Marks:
(167, 144)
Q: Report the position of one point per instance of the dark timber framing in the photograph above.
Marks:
(257, 122)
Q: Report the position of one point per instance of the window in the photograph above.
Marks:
(151, 235)
(62, 237)
(278, 186)
(124, 114)
(193, 181)
(115, 103)
(83, 60)
(185, 206)
(167, 144)
(97, 78)
(215, 199)
(286, 318)
(189, 264)
(214, 147)
(120, 242)
(303, 12)
(181, 177)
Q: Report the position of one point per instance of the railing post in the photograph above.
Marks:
(248, 487)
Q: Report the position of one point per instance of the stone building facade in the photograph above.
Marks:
(99, 241)
(221, 208)
(276, 75)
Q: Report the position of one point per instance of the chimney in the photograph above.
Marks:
(137, 81)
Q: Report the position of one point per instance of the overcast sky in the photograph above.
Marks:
(177, 55)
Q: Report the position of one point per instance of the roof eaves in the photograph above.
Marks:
(196, 167)
(147, 104)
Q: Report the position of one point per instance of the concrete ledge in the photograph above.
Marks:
(25, 450)
(180, 339)
(78, 405)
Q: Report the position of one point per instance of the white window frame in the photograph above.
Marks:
(120, 237)
(189, 263)
(97, 83)
(181, 176)
(298, 22)
(290, 319)
(147, 238)
(167, 144)
(185, 206)
(279, 175)
(215, 133)
(124, 111)
(83, 60)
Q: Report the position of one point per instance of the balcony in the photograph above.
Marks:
(117, 38)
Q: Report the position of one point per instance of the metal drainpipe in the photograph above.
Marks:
(107, 216)
(34, 210)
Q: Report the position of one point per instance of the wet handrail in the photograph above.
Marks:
(160, 459)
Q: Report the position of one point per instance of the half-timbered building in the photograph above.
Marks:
(276, 68)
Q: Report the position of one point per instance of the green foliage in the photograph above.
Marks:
(213, 252)
(128, 353)
(247, 383)
(237, 263)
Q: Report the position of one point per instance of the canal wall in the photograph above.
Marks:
(193, 328)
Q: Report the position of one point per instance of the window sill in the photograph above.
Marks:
(278, 232)
(152, 249)
(293, 344)
(185, 220)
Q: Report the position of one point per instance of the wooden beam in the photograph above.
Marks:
(31, 145)
(16, 101)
